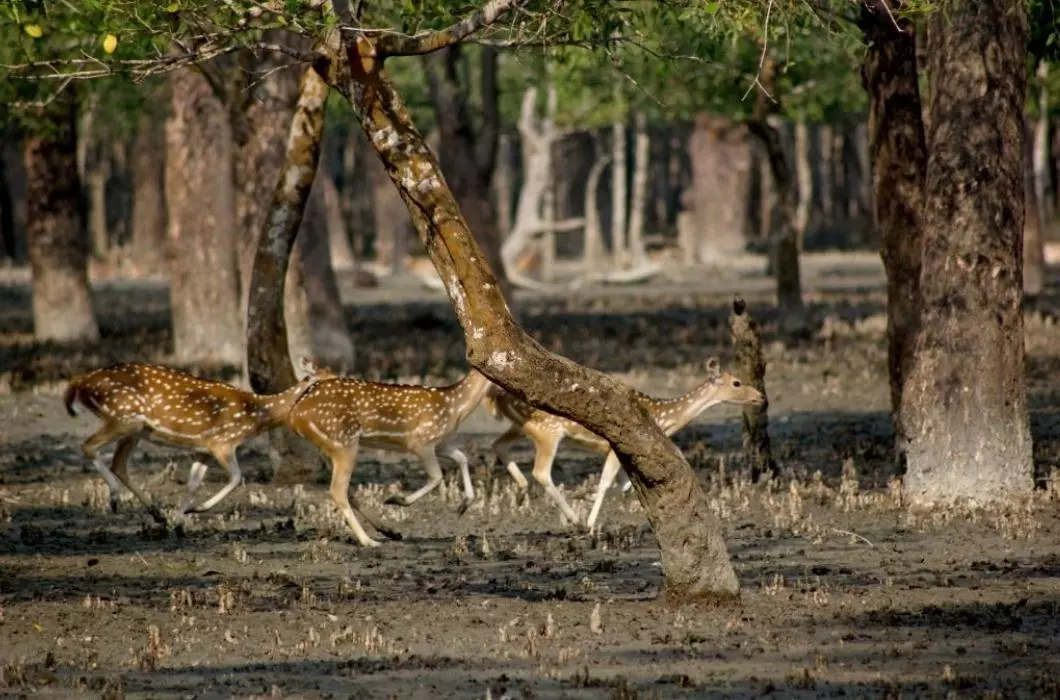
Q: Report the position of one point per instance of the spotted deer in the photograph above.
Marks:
(547, 431)
(338, 416)
(137, 400)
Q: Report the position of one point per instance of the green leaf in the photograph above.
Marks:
(711, 8)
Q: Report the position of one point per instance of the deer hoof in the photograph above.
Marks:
(397, 499)
(464, 505)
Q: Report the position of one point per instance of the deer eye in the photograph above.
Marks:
(736, 382)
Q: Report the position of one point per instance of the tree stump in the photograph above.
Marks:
(751, 367)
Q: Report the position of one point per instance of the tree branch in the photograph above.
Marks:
(428, 42)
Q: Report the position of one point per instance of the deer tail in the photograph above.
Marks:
(71, 398)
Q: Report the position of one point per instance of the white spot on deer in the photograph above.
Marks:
(478, 334)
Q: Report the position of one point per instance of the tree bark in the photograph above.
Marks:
(898, 150)
(468, 155)
(1033, 220)
(694, 557)
(339, 247)
(55, 228)
(804, 176)
(639, 201)
(964, 400)
(594, 255)
(201, 225)
(149, 201)
(1042, 188)
(750, 364)
(717, 196)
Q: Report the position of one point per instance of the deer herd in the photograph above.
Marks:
(338, 415)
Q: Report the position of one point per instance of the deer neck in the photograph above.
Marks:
(468, 393)
(685, 408)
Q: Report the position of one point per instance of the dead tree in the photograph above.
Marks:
(751, 365)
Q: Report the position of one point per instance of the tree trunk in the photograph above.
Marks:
(9, 232)
(1042, 188)
(330, 340)
(1033, 221)
(804, 174)
(97, 172)
(717, 196)
(548, 240)
(204, 282)
(149, 202)
(825, 171)
(899, 154)
(504, 183)
(619, 196)
(468, 155)
(639, 203)
(694, 558)
(964, 400)
(55, 229)
(750, 364)
(339, 248)
(594, 255)
(391, 219)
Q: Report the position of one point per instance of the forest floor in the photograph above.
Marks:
(844, 593)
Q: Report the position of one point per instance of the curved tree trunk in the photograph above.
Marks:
(149, 202)
(619, 197)
(199, 200)
(55, 229)
(964, 400)
(694, 557)
(898, 149)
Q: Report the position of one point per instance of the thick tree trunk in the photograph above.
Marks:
(694, 557)
(964, 400)
(804, 176)
(639, 201)
(55, 228)
(201, 225)
(899, 155)
(149, 201)
(717, 196)
(468, 155)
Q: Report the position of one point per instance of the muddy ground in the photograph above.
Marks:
(844, 593)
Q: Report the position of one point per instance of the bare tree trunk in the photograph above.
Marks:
(619, 195)
(149, 200)
(638, 204)
(339, 248)
(899, 154)
(201, 225)
(825, 171)
(967, 438)
(694, 558)
(97, 173)
(1042, 188)
(594, 254)
(503, 183)
(55, 228)
(1033, 243)
(467, 154)
(750, 364)
(717, 196)
(804, 175)
(391, 219)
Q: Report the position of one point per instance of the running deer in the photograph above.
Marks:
(340, 415)
(547, 431)
(137, 400)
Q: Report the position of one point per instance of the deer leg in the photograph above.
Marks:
(342, 463)
(453, 454)
(226, 456)
(108, 433)
(120, 469)
(501, 447)
(434, 478)
(544, 455)
(607, 477)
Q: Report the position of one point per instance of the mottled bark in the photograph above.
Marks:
(204, 282)
(149, 202)
(694, 557)
(268, 355)
(468, 154)
(750, 363)
(55, 228)
(898, 150)
(964, 400)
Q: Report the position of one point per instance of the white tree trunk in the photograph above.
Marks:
(1042, 187)
(594, 254)
(804, 179)
(619, 195)
(638, 204)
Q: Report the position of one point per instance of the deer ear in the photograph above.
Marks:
(306, 366)
(713, 366)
